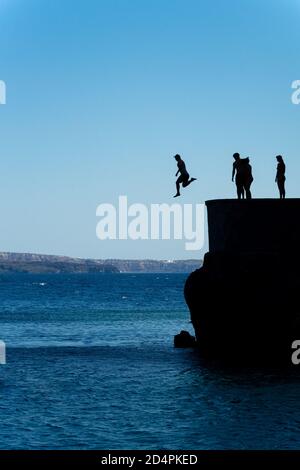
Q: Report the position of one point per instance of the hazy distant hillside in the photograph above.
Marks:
(35, 263)
(156, 266)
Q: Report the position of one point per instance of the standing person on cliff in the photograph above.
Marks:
(184, 177)
(280, 176)
(238, 174)
(242, 171)
(248, 178)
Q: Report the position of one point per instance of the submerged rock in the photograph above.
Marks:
(184, 340)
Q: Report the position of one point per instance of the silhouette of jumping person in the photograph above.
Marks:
(280, 176)
(242, 171)
(184, 176)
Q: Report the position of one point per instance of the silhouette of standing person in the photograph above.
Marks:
(248, 178)
(280, 176)
(242, 171)
(184, 176)
(237, 173)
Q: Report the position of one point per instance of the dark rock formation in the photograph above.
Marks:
(184, 340)
(245, 300)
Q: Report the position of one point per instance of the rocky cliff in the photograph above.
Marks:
(244, 301)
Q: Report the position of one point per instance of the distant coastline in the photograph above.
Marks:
(32, 263)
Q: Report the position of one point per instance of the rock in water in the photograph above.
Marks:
(184, 340)
(244, 300)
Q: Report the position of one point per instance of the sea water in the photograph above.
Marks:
(91, 365)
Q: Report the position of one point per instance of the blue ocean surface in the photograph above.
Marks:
(91, 365)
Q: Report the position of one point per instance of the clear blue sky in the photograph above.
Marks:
(101, 94)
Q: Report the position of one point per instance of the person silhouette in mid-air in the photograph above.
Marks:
(280, 176)
(184, 177)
